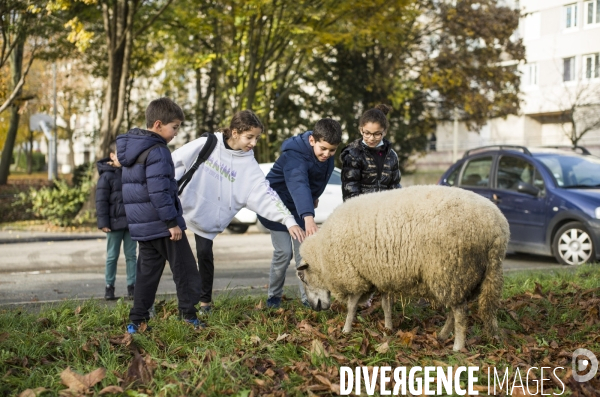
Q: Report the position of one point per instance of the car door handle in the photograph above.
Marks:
(496, 199)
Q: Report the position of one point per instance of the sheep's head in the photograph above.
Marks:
(319, 297)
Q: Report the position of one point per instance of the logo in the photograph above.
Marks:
(582, 364)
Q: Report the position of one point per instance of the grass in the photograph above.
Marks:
(248, 350)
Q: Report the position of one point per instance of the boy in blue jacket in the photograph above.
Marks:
(299, 177)
(110, 212)
(154, 213)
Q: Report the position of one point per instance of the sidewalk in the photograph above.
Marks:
(29, 236)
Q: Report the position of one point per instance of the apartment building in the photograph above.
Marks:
(562, 72)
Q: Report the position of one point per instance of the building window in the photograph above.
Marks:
(570, 16)
(569, 69)
(530, 76)
(591, 65)
(592, 12)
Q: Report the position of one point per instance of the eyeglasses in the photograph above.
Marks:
(368, 134)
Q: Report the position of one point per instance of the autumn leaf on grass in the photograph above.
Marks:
(125, 340)
(255, 340)
(281, 337)
(317, 349)
(364, 346)
(259, 306)
(79, 384)
(383, 348)
(406, 338)
(140, 370)
(111, 390)
(33, 392)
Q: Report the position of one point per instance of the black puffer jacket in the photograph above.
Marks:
(110, 209)
(368, 170)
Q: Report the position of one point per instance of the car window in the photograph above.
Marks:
(477, 172)
(453, 177)
(335, 178)
(574, 171)
(512, 170)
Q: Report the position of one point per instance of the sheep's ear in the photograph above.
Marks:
(304, 266)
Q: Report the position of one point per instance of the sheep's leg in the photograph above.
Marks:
(460, 326)
(387, 301)
(352, 306)
(448, 326)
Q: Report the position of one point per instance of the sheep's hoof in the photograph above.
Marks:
(347, 330)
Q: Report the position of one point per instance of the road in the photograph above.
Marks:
(53, 271)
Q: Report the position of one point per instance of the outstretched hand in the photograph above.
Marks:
(310, 226)
(297, 233)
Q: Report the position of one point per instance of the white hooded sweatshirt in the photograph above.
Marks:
(226, 182)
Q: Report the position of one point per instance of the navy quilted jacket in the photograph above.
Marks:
(109, 197)
(150, 189)
(299, 178)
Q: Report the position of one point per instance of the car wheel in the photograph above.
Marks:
(237, 228)
(572, 244)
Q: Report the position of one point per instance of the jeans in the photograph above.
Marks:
(113, 248)
(150, 266)
(284, 247)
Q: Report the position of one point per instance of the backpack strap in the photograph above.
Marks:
(207, 149)
(144, 155)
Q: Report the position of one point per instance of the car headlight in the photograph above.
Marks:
(598, 213)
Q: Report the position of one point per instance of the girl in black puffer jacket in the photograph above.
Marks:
(370, 164)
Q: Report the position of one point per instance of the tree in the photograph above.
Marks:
(19, 24)
(580, 110)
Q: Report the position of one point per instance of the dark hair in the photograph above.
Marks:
(328, 130)
(244, 120)
(376, 115)
(112, 148)
(163, 109)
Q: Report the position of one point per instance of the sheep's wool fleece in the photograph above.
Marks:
(430, 241)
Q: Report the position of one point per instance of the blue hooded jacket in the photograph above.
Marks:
(110, 210)
(149, 190)
(299, 179)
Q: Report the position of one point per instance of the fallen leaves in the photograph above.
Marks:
(79, 384)
(33, 392)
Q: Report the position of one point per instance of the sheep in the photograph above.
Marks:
(443, 244)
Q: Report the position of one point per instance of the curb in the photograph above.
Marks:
(42, 239)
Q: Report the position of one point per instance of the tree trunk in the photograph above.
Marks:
(30, 153)
(16, 63)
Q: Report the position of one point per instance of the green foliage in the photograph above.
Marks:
(38, 161)
(60, 203)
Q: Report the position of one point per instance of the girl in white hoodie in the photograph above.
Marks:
(225, 183)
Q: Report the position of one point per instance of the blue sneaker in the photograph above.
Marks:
(197, 324)
(305, 303)
(205, 310)
(274, 302)
(132, 328)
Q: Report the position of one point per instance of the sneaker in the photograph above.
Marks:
(197, 324)
(305, 304)
(205, 310)
(130, 289)
(109, 293)
(132, 328)
(274, 302)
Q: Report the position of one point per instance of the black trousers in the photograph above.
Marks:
(150, 265)
(206, 267)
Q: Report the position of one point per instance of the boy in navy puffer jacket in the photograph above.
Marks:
(154, 213)
(112, 221)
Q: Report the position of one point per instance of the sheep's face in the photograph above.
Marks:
(318, 297)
